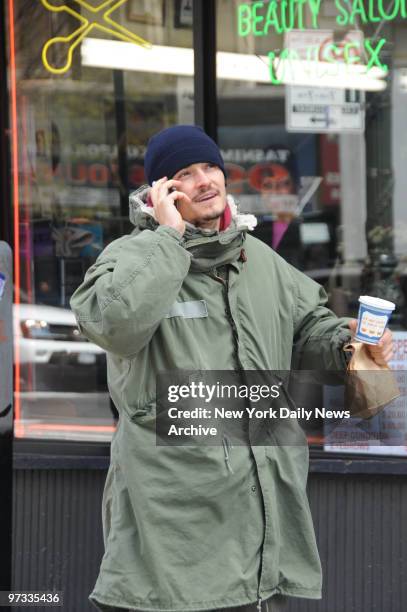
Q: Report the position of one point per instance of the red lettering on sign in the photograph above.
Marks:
(78, 174)
(236, 176)
(136, 175)
(98, 174)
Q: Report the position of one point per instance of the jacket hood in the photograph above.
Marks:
(143, 216)
(208, 248)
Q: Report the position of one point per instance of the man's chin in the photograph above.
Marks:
(212, 214)
(208, 220)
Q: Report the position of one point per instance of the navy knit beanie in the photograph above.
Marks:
(178, 147)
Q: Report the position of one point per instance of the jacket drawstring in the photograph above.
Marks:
(227, 446)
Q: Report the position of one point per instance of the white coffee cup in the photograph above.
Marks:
(374, 314)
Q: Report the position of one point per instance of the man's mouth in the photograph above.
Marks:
(206, 196)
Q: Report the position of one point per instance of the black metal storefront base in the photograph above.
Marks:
(359, 517)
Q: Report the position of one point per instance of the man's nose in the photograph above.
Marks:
(201, 178)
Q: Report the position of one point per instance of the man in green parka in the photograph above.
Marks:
(202, 527)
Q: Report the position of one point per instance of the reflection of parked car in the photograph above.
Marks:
(52, 353)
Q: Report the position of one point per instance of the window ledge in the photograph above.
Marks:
(321, 465)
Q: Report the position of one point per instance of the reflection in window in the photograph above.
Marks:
(314, 139)
(83, 123)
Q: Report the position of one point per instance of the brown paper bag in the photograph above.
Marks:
(369, 387)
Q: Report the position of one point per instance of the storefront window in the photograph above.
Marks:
(92, 82)
(312, 124)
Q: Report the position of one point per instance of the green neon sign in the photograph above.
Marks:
(261, 18)
(373, 11)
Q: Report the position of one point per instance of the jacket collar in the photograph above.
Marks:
(209, 249)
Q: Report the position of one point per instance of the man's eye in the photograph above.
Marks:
(186, 173)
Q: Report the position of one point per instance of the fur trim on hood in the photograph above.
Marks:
(138, 205)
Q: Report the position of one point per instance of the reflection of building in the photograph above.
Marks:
(77, 142)
(79, 138)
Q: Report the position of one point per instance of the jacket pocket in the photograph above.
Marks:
(145, 415)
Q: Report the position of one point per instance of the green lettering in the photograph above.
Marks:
(351, 59)
(272, 18)
(284, 61)
(358, 9)
(344, 19)
(314, 6)
(372, 7)
(330, 55)
(243, 20)
(286, 24)
(403, 9)
(331, 58)
(375, 59)
(383, 13)
(257, 18)
(300, 13)
(273, 75)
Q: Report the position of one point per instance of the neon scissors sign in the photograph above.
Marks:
(93, 18)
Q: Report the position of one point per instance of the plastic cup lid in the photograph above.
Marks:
(375, 302)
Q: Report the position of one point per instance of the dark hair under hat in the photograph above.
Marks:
(178, 147)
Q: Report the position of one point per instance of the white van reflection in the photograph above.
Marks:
(47, 334)
(61, 388)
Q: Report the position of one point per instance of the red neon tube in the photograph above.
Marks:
(16, 214)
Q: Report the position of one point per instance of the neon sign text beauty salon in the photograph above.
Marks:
(264, 18)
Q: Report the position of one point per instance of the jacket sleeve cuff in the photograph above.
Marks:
(169, 231)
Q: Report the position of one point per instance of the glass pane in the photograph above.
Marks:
(84, 102)
(312, 122)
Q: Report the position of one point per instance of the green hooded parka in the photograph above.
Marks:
(202, 527)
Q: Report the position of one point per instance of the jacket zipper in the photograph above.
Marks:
(232, 323)
(221, 280)
(261, 560)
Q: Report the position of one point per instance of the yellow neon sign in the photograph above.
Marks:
(87, 25)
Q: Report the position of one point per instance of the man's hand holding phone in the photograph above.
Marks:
(164, 196)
